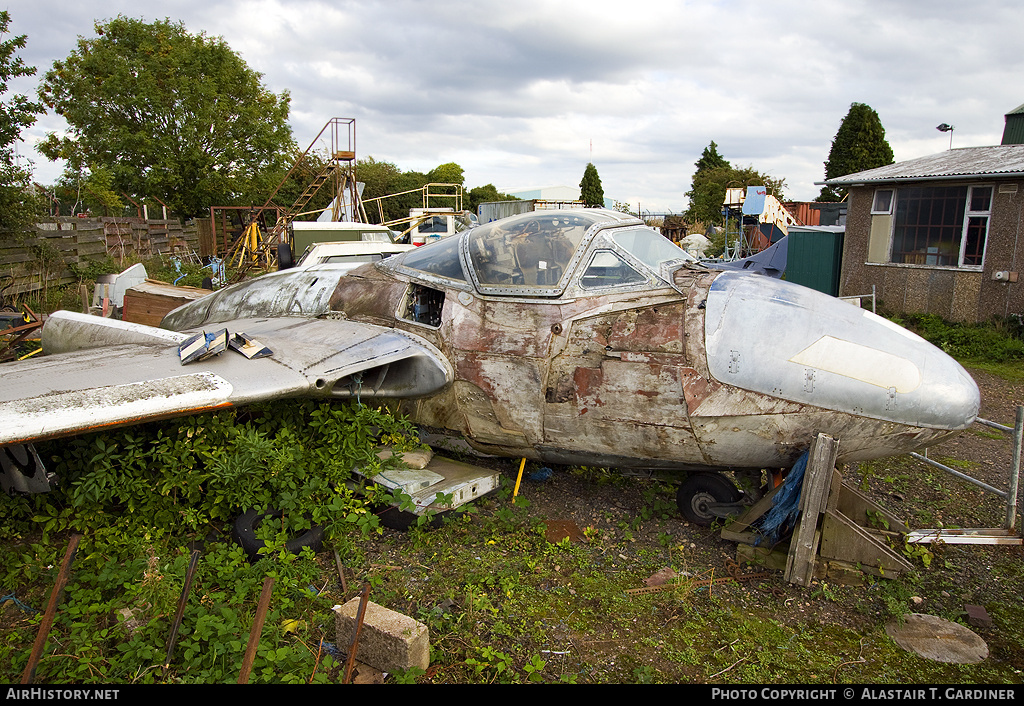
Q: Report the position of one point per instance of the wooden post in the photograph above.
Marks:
(803, 548)
(835, 534)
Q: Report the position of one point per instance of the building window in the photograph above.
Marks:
(945, 226)
(979, 208)
(883, 201)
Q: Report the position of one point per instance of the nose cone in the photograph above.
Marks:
(797, 344)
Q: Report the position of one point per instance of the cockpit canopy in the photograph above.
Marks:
(537, 253)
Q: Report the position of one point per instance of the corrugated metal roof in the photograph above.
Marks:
(992, 161)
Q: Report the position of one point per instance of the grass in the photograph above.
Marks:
(526, 598)
(503, 605)
(997, 342)
(1011, 371)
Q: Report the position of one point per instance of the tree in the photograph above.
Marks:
(707, 193)
(715, 174)
(306, 168)
(383, 179)
(450, 173)
(707, 188)
(380, 178)
(169, 114)
(484, 194)
(16, 113)
(859, 144)
(591, 191)
(710, 159)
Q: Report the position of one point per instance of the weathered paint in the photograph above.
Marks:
(58, 413)
(81, 390)
(609, 378)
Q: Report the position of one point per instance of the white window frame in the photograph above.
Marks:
(875, 210)
(965, 229)
(968, 215)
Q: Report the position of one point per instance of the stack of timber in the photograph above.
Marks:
(841, 534)
(148, 302)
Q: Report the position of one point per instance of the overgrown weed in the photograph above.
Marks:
(996, 342)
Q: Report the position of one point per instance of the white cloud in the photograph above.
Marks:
(516, 92)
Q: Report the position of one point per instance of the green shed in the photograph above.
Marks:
(814, 257)
(1013, 130)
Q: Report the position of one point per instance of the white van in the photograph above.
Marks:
(337, 242)
(434, 223)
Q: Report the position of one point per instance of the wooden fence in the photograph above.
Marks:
(43, 257)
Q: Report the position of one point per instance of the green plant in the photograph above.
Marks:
(995, 341)
(877, 519)
(921, 552)
(499, 600)
(492, 664)
(294, 456)
(534, 669)
(408, 676)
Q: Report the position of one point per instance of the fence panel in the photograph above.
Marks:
(42, 258)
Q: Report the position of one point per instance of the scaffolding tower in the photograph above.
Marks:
(328, 162)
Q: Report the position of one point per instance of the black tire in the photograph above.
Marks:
(285, 260)
(402, 520)
(701, 489)
(244, 532)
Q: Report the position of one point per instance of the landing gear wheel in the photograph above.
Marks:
(244, 532)
(701, 490)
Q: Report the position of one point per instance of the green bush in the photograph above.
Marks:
(996, 341)
(144, 496)
(296, 456)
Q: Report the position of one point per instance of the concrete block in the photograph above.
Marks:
(389, 641)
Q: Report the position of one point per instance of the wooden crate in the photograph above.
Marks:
(148, 302)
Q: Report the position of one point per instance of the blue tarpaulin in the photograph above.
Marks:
(778, 522)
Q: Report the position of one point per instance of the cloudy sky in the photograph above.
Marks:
(522, 94)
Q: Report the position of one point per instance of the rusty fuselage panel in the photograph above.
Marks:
(613, 378)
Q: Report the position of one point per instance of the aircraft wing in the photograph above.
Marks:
(110, 373)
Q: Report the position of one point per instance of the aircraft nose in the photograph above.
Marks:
(797, 344)
(954, 397)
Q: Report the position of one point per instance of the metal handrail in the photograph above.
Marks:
(858, 297)
(1010, 519)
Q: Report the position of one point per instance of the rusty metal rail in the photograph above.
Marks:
(990, 535)
(256, 630)
(29, 675)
